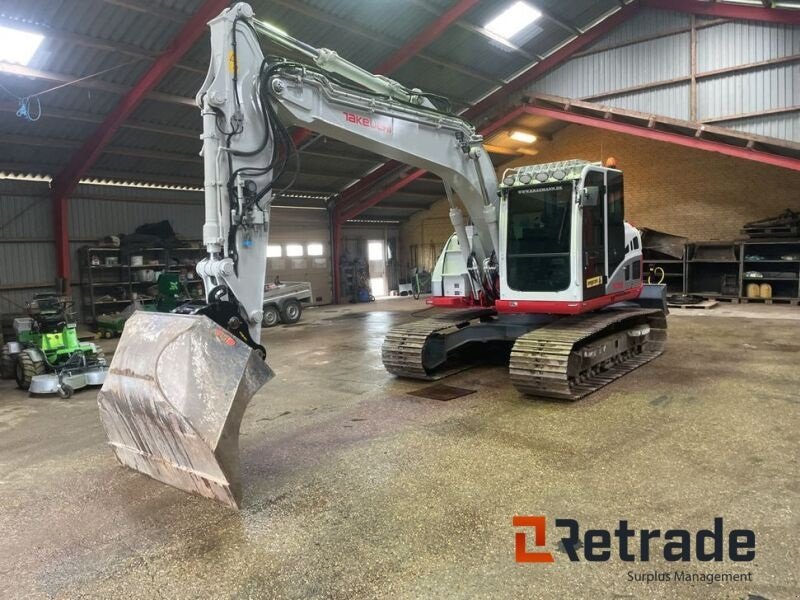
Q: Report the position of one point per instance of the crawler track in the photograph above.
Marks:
(406, 350)
(543, 361)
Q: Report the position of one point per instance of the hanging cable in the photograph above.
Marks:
(24, 111)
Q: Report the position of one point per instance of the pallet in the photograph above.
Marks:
(791, 301)
(705, 304)
(731, 299)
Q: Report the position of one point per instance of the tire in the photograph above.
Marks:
(291, 311)
(8, 363)
(29, 364)
(271, 316)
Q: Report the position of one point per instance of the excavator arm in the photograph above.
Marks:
(178, 384)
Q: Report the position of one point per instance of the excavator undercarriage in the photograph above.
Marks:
(564, 357)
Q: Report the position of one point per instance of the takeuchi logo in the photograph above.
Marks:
(382, 125)
(631, 545)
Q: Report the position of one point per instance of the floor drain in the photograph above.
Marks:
(442, 392)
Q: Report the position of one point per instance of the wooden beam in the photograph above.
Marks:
(763, 113)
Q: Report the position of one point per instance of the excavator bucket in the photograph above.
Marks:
(174, 398)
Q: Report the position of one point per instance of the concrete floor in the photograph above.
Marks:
(355, 489)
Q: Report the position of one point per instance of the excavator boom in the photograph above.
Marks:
(178, 384)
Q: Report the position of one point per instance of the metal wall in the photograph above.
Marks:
(27, 249)
(606, 71)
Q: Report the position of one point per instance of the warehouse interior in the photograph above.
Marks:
(355, 477)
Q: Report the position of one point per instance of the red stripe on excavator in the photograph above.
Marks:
(450, 301)
(561, 307)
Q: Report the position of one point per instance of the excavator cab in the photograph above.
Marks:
(565, 247)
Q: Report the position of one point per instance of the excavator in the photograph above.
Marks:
(543, 262)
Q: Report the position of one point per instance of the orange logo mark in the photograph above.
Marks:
(520, 547)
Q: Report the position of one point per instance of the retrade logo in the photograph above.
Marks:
(632, 545)
(521, 552)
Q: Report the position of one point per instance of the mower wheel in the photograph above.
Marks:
(65, 391)
(8, 363)
(29, 364)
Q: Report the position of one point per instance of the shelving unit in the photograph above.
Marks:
(674, 270)
(719, 269)
(108, 288)
(783, 275)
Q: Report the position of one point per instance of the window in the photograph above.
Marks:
(538, 246)
(315, 249)
(294, 249)
(616, 222)
(274, 251)
(375, 251)
(18, 46)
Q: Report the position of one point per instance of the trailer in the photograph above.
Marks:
(283, 302)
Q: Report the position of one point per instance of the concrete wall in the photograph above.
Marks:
(698, 194)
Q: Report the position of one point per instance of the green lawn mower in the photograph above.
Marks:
(47, 357)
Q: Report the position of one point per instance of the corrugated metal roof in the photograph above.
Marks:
(368, 33)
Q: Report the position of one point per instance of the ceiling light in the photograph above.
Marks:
(18, 46)
(521, 136)
(512, 20)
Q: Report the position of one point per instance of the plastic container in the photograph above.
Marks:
(765, 290)
(753, 290)
(137, 260)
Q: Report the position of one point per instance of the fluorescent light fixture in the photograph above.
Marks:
(521, 136)
(18, 46)
(512, 20)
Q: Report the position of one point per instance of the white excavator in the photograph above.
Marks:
(544, 266)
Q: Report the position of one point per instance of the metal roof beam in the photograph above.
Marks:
(317, 15)
(725, 10)
(71, 115)
(554, 59)
(95, 43)
(162, 12)
(92, 84)
(425, 37)
(467, 26)
(65, 182)
(391, 168)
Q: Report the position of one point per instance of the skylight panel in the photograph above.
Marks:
(18, 46)
(512, 20)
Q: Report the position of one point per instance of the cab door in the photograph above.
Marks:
(594, 239)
